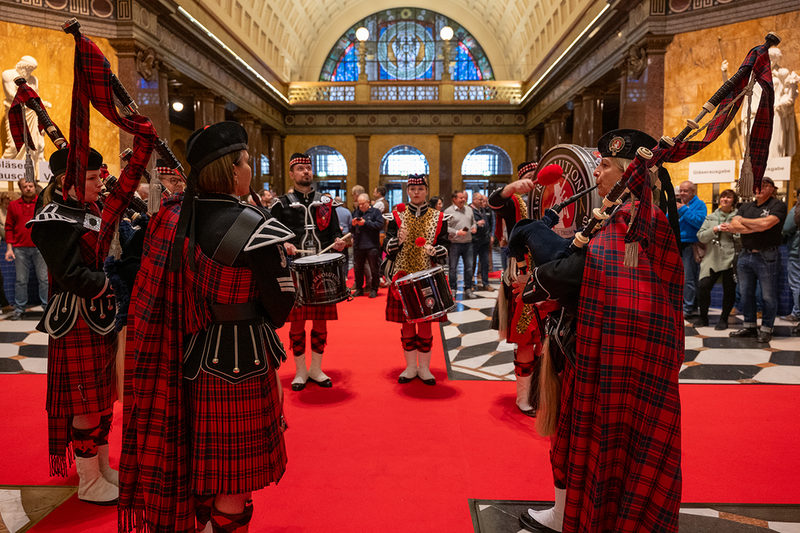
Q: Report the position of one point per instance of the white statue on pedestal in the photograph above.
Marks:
(783, 142)
(24, 68)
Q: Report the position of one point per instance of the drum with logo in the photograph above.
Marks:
(425, 295)
(320, 279)
(578, 164)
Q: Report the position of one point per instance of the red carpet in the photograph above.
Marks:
(372, 455)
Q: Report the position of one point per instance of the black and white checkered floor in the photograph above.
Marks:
(474, 352)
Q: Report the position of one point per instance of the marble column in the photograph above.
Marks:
(555, 131)
(362, 162)
(591, 119)
(219, 109)
(204, 112)
(642, 87)
(445, 166)
(276, 142)
(533, 150)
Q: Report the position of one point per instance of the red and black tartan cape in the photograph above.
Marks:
(637, 175)
(92, 83)
(618, 442)
(154, 467)
(16, 116)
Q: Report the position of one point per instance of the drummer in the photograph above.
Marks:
(414, 241)
(324, 233)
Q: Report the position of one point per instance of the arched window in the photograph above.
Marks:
(403, 160)
(404, 44)
(487, 160)
(327, 162)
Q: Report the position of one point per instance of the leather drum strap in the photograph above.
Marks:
(236, 237)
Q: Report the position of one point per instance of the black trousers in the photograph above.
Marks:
(371, 257)
(728, 292)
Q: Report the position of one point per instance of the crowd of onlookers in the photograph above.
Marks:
(737, 244)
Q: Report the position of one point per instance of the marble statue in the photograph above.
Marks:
(25, 67)
(784, 132)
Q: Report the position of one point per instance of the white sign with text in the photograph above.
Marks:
(12, 169)
(712, 171)
(778, 168)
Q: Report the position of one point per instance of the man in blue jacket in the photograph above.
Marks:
(366, 229)
(691, 214)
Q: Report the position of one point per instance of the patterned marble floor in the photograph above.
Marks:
(474, 352)
(502, 516)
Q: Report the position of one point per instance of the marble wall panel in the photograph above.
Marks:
(692, 74)
(54, 50)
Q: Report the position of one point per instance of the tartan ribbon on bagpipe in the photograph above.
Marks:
(638, 176)
(16, 116)
(93, 84)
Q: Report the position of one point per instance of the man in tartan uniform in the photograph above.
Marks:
(218, 374)
(616, 454)
(414, 242)
(80, 349)
(294, 210)
(510, 207)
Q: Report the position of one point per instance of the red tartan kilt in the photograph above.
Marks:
(237, 444)
(313, 312)
(81, 372)
(394, 310)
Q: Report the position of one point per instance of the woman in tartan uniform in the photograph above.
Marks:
(81, 347)
(514, 321)
(291, 209)
(236, 290)
(616, 453)
(414, 241)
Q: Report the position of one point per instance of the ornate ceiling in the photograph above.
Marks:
(291, 38)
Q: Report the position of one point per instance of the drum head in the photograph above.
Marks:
(317, 259)
(417, 275)
(578, 164)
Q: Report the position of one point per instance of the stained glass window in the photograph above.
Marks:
(486, 160)
(404, 44)
(327, 161)
(403, 160)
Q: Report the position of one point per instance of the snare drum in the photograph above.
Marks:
(425, 295)
(320, 279)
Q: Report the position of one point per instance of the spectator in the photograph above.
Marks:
(482, 240)
(345, 222)
(5, 199)
(791, 231)
(691, 213)
(266, 197)
(367, 225)
(460, 229)
(760, 222)
(380, 203)
(718, 260)
(436, 203)
(22, 251)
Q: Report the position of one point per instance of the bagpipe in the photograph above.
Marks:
(545, 245)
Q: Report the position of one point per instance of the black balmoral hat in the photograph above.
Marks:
(58, 161)
(212, 142)
(624, 143)
(417, 179)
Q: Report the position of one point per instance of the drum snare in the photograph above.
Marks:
(320, 279)
(425, 295)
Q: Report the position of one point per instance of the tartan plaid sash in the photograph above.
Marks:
(92, 83)
(16, 116)
(638, 176)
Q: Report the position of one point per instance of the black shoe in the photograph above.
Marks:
(373, 294)
(529, 412)
(325, 384)
(746, 332)
(690, 314)
(700, 322)
(298, 386)
(764, 337)
(358, 292)
(430, 381)
(528, 523)
(403, 380)
(721, 324)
